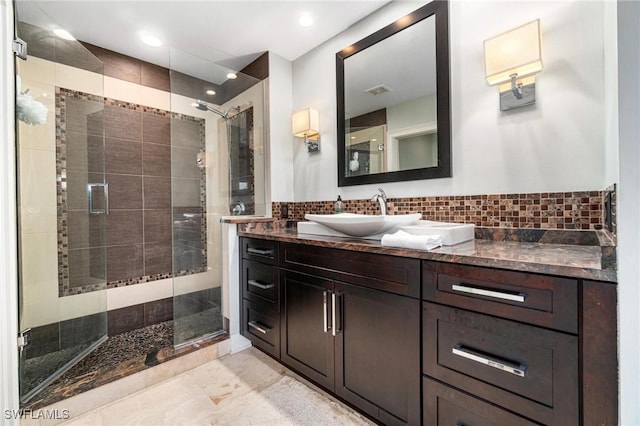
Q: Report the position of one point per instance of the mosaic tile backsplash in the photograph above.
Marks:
(547, 210)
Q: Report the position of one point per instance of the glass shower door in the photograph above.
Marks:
(62, 202)
(197, 302)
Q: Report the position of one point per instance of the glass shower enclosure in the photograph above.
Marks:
(217, 168)
(62, 204)
(121, 198)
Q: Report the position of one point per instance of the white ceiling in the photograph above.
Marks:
(228, 33)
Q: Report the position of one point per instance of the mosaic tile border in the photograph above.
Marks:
(249, 200)
(547, 210)
(252, 159)
(203, 195)
(64, 288)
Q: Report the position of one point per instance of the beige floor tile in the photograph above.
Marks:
(174, 402)
(246, 388)
(93, 418)
(287, 402)
(93, 400)
(236, 375)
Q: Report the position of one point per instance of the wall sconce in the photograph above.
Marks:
(511, 60)
(305, 124)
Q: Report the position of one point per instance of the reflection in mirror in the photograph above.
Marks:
(396, 78)
(393, 93)
(366, 150)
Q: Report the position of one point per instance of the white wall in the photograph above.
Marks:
(413, 113)
(629, 211)
(281, 140)
(611, 170)
(8, 254)
(558, 145)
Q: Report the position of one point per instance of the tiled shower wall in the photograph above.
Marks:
(557, 210)
(242, 161)
(141, 151)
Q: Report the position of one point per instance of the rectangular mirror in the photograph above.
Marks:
(393, 101)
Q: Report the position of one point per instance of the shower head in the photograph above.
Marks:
(204, 106)
(201, 105)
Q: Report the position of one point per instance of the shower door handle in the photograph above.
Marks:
(91, 187)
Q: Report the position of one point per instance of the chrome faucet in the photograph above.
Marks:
(381, 198)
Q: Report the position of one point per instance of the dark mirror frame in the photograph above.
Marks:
(439, 9)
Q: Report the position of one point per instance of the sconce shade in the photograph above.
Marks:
(514, 52)
(305, 123)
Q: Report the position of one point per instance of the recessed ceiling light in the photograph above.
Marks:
(150, 40)
(305, 20)
(63, 34)
(232, 76)
(211, 92)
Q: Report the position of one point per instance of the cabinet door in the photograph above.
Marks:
(307, 343)
(378, 353)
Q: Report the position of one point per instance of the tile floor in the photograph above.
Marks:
(246, 388)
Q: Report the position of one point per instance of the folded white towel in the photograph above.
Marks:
(406, 240)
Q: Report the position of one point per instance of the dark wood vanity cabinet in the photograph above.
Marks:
(308, 344)
(362, 344)
(349, 322)
(260, 294)
(409, 341)
(505, 347)
(377, 354)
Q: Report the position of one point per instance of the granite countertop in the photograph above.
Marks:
(579, 259)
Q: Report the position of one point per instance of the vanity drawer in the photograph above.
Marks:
(261, 325)
(393, 274)
(542, 300)
(446, 406)
(265, 251)
(529, 370)
(260, 283)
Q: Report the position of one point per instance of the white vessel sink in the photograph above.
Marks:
(451, 233)
(356, 225)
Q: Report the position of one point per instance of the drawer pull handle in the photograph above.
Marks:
(508, 366)
(516, 297)
(261, 252)
(325, 311)
(260, 285)
(336, 313)
(256, 326)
